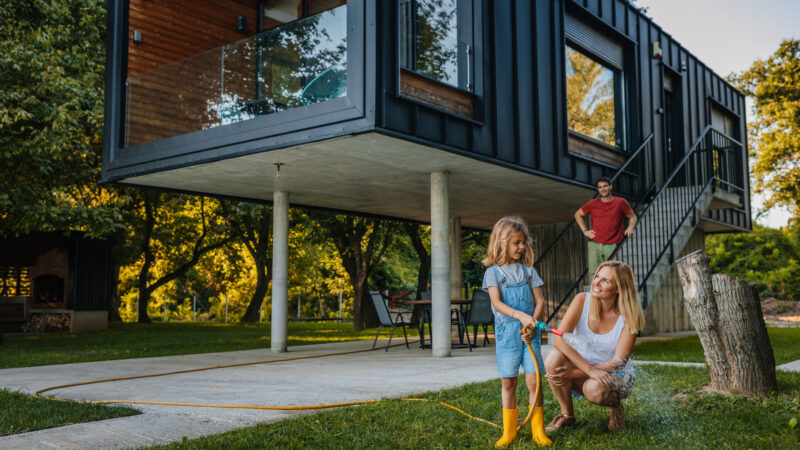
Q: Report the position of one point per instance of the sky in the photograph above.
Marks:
(728, 35)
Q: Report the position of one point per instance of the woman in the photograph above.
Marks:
(591, 360)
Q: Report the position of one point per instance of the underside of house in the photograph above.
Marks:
(449, 112)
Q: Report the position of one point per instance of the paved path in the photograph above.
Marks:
(355, 377)
(345, 378)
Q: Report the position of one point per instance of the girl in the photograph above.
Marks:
(592, 361)
(513, 287)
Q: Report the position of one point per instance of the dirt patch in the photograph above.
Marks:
(781, 313)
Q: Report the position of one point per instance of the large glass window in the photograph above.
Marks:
(298, 58)
(433, 40)
(595, 99)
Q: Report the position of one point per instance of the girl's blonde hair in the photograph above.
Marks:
(498, 242)
(627, 297)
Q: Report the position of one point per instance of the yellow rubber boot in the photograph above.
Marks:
(537, 426)
(510, 418)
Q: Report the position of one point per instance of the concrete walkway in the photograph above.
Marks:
(334, 379)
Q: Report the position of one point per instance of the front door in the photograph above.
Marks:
(673, 140)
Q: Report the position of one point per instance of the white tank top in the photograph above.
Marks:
(601, 347)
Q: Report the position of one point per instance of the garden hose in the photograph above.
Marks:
(547, 329)
(38, 393)
(260, 407)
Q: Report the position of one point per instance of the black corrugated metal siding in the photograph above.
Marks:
(519, 85)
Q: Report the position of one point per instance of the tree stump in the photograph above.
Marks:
(727, 315)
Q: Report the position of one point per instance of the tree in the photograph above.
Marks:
(52, 56)
(251, 224)
(729, 321)
(361, 242)
(774, 132)
(176, 231)
(767, 257)
(420, 240)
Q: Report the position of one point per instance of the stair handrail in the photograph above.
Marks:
(613, 177)
(689, 208)
(630, 159)
(640, 149)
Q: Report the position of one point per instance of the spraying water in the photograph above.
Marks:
(578, 342)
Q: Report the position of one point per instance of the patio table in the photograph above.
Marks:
(425, 317)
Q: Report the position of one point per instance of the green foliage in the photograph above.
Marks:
(688, 349)
(20, 413)
(666, 409)
(774, 132)
(768, 257)
(52, 56)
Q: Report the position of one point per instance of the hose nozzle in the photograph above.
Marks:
(547, 328)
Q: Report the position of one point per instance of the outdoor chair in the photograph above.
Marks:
(480, 314)
(385, 319)
(456, 318)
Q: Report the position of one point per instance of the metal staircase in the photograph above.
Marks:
(668, 209)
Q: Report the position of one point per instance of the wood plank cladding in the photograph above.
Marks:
(166, 99)
(176, 29)
(585, 147)
(436, 94)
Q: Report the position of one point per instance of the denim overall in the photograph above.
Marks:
(511, 350)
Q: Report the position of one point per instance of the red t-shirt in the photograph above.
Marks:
(607, 219)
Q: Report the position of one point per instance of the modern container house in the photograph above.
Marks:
(449, 112)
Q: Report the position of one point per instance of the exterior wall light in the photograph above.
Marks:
(656, 50)
(137, 36)
(241, 24)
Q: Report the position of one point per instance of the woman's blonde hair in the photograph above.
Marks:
(498, 242)
(627, 296)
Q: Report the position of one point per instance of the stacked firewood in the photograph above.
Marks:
(40, 323)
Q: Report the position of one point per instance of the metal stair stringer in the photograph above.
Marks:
(668, 205)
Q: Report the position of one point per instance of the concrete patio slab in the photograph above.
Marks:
(334, 379)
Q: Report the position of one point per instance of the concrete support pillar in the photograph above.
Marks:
(455, 258)
(440, 264)
(280, 270)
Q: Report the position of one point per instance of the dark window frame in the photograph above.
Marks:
(464, 9)
(351, 111)
(621, 86)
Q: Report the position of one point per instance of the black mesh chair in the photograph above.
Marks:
(386, 319)
(480, 314)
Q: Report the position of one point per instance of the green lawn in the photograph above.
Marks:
(20, 413)
(127, 340)
(784, 346)
(666, 410)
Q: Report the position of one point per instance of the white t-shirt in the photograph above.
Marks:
(513, 273)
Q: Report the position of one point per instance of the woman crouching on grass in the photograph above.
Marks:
(591, 360)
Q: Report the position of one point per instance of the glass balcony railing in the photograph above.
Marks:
(297, 64)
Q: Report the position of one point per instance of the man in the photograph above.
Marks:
(608, 219)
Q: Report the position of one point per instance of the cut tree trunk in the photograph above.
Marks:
(698, 294)
(727, 315)
(752, 362)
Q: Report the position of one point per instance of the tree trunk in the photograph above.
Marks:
(262, 284)
(364, 314)
(727, 315)
(698, 294)
(424, 270)
(112, 295)
(752, 363)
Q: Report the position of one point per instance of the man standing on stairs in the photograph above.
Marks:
(608, 221)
